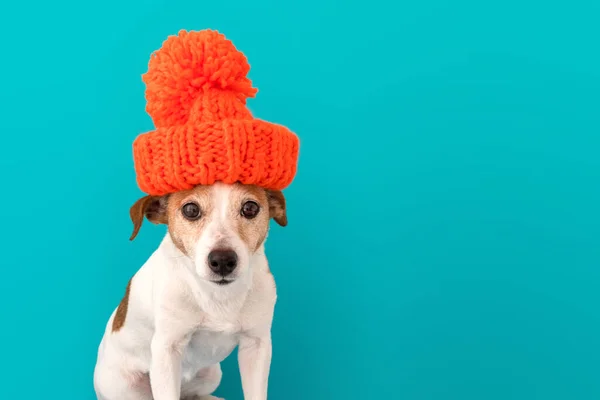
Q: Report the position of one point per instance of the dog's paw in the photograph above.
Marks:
(210, 398)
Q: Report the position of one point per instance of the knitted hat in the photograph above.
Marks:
(196, 91)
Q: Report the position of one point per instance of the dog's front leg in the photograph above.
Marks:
(254, 357)
(165, 369)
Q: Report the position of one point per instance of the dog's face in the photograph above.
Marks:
(219, 227)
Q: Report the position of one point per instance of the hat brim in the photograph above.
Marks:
(253, 152)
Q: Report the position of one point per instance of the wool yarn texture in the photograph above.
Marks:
(196, 92)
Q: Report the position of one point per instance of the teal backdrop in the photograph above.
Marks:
(444, 223)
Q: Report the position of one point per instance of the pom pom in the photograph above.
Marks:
(187, 66)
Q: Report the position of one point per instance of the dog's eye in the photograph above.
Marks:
(250, 209)
(191, 211)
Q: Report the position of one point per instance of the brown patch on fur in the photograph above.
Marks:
(254, 231)
(184, 233)
(277, 211)
(255, 191)
(277, 208)
(152, 207)
(121, 313)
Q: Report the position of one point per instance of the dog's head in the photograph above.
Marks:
(219, 227)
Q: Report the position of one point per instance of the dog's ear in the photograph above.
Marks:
(152, 207)
(277, 207)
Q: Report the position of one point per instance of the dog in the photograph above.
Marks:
(205, 290)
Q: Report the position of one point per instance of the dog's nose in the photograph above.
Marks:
(222, 262)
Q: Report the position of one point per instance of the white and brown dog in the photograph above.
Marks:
(204, 291)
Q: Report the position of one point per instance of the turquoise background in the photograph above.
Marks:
(445, 219)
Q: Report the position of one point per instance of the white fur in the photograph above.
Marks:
(179, 325)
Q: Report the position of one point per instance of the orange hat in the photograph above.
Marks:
(196, 91)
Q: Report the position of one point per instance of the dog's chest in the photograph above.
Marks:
(206, 348)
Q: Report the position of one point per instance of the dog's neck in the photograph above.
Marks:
(208, 293)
